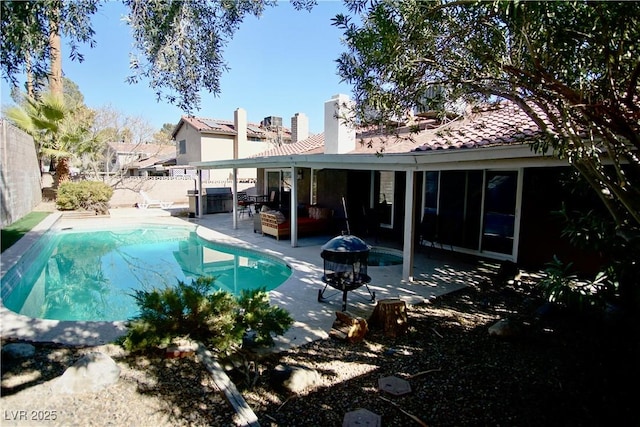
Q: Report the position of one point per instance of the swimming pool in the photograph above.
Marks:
(381, 257)
(91, 275)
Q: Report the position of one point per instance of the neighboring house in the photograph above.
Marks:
(201, 139)
(470, 185)
(139, 159)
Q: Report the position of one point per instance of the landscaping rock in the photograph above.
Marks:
(18, 350)
(504, 328)
(93, 372)
(293, 379)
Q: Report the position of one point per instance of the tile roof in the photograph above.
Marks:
(144, 149)
(149, 154)
(227, 127)
(500, 124)
(155, 160)
(312, 145)
(505, 124)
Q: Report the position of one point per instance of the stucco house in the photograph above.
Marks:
(139, 159)
(201, 139)
(471, 185)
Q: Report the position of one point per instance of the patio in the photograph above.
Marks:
(436, 275)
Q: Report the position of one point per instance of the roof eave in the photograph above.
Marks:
(430, 160)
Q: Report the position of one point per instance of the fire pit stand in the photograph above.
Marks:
(345, 267)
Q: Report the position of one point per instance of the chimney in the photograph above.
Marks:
(299, 127)
(339, 137)
(240, 124)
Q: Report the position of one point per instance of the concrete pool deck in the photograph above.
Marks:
(298, 295)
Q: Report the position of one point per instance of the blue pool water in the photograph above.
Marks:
(92, 275)
(380, 258)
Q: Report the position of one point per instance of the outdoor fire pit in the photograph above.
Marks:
(345, 266)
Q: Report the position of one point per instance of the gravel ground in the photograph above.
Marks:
(560, 369)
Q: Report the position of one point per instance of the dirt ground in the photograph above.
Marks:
(560, 368)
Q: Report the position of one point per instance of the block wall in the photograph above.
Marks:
(20, 180)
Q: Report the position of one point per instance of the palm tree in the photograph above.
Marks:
(56, 134)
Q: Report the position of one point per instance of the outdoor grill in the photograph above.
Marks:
(218, 199)
(215, 200)
(345, 266)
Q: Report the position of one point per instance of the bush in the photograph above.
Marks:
(198, 312)
(84, 195)
(562, 286)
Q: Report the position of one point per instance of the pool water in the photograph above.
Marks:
(379, 257)
(92, 275)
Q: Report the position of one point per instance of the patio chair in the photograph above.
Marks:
(148, 202)
(434, 230)
(244, 203)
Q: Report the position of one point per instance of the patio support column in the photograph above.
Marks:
(409, 224)
(294, 207)
(234, 188)
(199, 208)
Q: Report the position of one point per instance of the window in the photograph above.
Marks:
(182, 147)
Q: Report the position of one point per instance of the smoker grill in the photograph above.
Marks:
(345, 266)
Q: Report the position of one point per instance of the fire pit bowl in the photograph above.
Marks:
(345, 266)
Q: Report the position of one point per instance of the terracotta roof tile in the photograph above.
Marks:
(227, 127)
(306, 146)
(503, 124)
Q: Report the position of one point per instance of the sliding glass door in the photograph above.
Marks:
(386, 190)
(499, 211)
(473, 210)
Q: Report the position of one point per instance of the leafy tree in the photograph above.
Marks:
(31, 33)
(163, 136)
(573, 67)
(178, 45)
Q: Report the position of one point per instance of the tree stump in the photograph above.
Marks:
(391, 316)
(349, 327)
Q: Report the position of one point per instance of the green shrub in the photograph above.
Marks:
(198, 312)
(562, 286)
(260, 317)
(84, 195)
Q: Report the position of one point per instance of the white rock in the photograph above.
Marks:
(93, 372)
(294, 379)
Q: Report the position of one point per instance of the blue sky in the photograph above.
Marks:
(280, 64)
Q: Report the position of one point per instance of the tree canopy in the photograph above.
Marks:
(572, 66)
(26, 28)
(178, 45)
